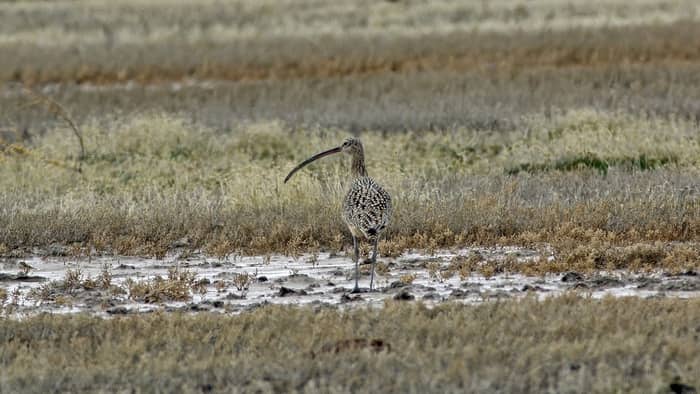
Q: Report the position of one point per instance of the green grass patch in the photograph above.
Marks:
(593, 162)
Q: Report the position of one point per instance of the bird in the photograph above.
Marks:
(366, 206)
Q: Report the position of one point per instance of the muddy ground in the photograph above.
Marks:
(123, 285)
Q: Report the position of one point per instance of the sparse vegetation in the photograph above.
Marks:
(73, 285)
(178, 286)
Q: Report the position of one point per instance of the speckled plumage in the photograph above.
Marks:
(366, 206)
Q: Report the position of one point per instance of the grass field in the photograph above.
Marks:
(569, 128)
(566, 344)
(586, 177)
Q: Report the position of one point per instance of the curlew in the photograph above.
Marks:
(366, 206)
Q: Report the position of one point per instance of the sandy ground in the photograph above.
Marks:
(320, 280)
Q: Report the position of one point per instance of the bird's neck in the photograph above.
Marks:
(358, 166)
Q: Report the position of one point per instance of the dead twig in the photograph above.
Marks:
(57, 110)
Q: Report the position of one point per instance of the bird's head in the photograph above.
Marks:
(351, 146)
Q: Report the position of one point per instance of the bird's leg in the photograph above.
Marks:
(374, 262)
(357, 263)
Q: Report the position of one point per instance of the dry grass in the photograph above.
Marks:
(589, 255)
(245, 41)
(381, 65)
(136, 22)
(485, 100)
(564, 344)
(74, 285)
(154, 180)
(178, 286)
(242, 281)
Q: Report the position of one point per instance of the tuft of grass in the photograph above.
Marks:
(407, 279)
(73, 280)
(242, 281)
(104, 280)
(178, 286)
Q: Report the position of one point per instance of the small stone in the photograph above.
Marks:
(397, 284)
(532, 288)
(605, 282)
(117, 310)
(572, 277)
(338, 272)
(345, 298)
(404, 295)
(200, 307)
(681, 388)
(286, 291)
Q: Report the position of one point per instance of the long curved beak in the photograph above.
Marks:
(313, 158)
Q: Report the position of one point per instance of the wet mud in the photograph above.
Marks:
(112, 286)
